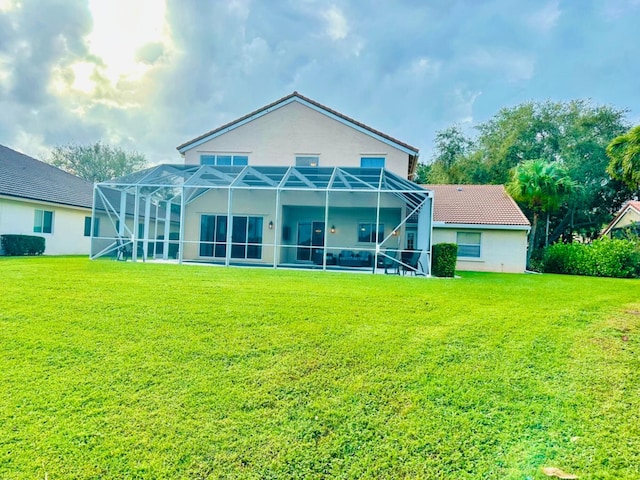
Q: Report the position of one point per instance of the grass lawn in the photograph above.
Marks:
(114, 370)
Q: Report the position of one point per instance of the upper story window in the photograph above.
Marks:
(307, 160)
(222, 160)
(43, 221)
(372, 162)
(469, 244)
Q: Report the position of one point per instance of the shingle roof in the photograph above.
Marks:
(475, 205)
(24, 177)
(312, 102)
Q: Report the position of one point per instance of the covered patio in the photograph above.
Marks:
(297, 217)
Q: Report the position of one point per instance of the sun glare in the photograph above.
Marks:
(120, 28)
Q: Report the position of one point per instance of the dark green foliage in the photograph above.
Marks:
(445, 256)
(602, 258)
(572, 134)
(18, 245)
(624, 152)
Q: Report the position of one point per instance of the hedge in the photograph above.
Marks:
(17, 245)
(601, 258)
(445, 256)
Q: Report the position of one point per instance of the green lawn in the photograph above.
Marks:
(114, 370)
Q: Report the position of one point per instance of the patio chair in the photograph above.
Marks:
(411, 262)
(390, 261)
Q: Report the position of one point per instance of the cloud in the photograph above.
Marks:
(337, 27)
(547, 17)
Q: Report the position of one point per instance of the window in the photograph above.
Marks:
(246, 236)
(468, 244)
(372, 162)
(43, 221)
(87, 227)
(222, 160)
(367, 232)
(307, 161)
(213, 236)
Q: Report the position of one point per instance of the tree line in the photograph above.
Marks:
(572, 163)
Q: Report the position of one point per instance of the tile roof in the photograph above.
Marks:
(312, 102)
(475, 205)
(25, 177)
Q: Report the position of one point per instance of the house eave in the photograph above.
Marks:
(478, 226)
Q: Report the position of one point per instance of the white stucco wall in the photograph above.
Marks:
(500, 250)
(295, 129)
(67, 235)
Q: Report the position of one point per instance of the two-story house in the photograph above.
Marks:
(294, 184)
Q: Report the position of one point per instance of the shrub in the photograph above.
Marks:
(602, 258)
(445, 256)
(17, 245)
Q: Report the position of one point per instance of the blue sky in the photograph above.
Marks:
(149, 75)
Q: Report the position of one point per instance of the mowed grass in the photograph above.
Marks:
(121, 370)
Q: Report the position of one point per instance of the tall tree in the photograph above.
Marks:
(97, 162)
(624, 152)
(541, 186)
(447, 165)
(575, 134)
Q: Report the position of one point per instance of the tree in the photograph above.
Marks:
(575, 134)
(541, 186)
(97, 162)
(624, 152)
(447, 165)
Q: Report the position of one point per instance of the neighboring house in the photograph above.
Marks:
(486, 224)
(39, 199)
(294, 183)
(627, 220)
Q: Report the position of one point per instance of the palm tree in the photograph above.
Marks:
(541, 186)
(624, 152)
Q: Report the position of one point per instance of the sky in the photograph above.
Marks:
(149, 75)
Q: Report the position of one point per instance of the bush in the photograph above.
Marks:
(602, 258)
(17, 245)
(445, 256)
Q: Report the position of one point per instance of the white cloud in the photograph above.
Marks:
(337, 27)
(422, 66)
(547, 17)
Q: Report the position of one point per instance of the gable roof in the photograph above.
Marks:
(25, 177)
(475, 205)
(630, 205)
(296, 97)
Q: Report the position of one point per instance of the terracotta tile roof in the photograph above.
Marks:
(306, 99)
(475, 205)
(25, 177)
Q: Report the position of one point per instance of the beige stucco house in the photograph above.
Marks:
(626, 220)
(42, 200)
(485, 222)
(293, 184)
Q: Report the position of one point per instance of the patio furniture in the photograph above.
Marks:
(347, 258)
(410, 262)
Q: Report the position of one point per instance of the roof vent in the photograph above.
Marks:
(459, 189)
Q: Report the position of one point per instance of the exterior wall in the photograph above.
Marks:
(295, 129)
(67, 236)
(500, 250)
(631, 216)
(295, 207)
